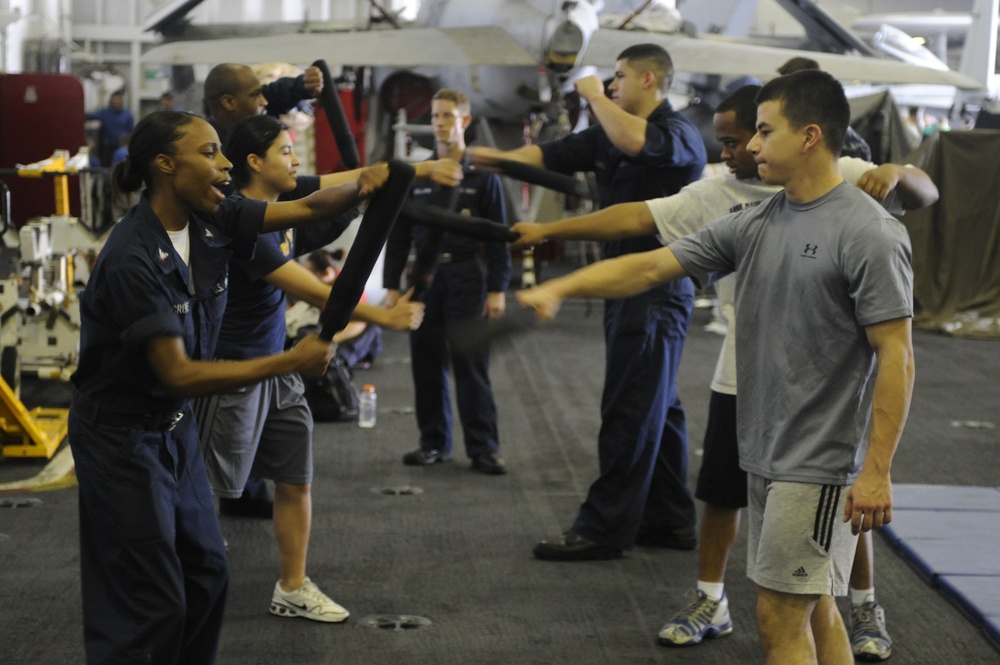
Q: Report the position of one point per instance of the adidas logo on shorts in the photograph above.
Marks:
(801, 572)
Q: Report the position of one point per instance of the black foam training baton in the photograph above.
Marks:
(550, 180)
(474, 227)
(429, 253)
(472, 335)
(334, 110)
(381, 214)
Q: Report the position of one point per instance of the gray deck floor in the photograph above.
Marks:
(459, 553)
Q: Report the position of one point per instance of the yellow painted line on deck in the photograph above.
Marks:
(59, 473)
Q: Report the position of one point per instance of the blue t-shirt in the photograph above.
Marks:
(254, 322)
(140, 289)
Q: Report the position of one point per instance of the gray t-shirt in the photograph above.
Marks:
(810, 277)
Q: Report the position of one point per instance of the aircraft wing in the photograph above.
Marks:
(492, 45)
(482, 45)
(710, 55)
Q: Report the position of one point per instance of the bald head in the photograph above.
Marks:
(232, 92)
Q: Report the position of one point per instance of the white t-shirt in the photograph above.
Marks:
(181, 243)
(710, 198)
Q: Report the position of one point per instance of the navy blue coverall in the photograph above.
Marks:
(154, 569)
(456, 295)
(642, 445)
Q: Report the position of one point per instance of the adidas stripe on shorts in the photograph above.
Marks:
(797, 539)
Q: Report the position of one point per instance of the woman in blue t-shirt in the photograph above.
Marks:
(267, 425)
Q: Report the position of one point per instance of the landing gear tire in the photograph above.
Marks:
(10, 369)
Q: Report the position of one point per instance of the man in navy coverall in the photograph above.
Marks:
(463, 289)
(641, 149)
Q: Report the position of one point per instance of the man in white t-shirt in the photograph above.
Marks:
(721, 483)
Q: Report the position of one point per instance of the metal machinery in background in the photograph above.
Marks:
(43, 258)
(40, 317)
(55, 255)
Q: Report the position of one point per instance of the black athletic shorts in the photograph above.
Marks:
(721, 481)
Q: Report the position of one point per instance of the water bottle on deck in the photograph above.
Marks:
(367, 406)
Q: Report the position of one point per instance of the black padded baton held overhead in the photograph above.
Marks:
(383, 209)
(334, 110)
(550, 180)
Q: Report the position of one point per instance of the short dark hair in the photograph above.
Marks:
(742, 102)
(250, 136)
(651, 57)
(222, 80)
(811, 97)
(797, 64)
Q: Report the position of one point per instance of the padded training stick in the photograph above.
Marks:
(334, 110)
(383, 209)
(468, 336)
(548, 179)
(429, 253)
(474, 227)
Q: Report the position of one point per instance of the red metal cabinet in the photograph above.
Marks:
(38, 114)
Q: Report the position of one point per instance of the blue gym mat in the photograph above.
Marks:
(951, 534)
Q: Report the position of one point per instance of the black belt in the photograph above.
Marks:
(164, 422)
(458, 257)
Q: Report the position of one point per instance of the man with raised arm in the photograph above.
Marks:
(642, 149)
(823, 312)
(721, 482)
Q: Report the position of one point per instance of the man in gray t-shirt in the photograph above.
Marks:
(805, 370)
(823, 345)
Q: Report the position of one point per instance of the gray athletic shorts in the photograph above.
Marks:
(265, 428)
(797, 539)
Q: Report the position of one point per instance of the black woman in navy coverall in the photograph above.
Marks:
(153, 565)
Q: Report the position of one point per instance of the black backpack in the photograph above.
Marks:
(333, 397)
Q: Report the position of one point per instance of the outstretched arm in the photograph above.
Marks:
(915, 188)
(192, 378)
(869, 501)
(295, 279)
(445, 172)
(620, 277)
(403, 314)
(487, 158)
(325, 203)
(624, 220)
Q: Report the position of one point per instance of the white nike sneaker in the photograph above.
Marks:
(307, 602)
